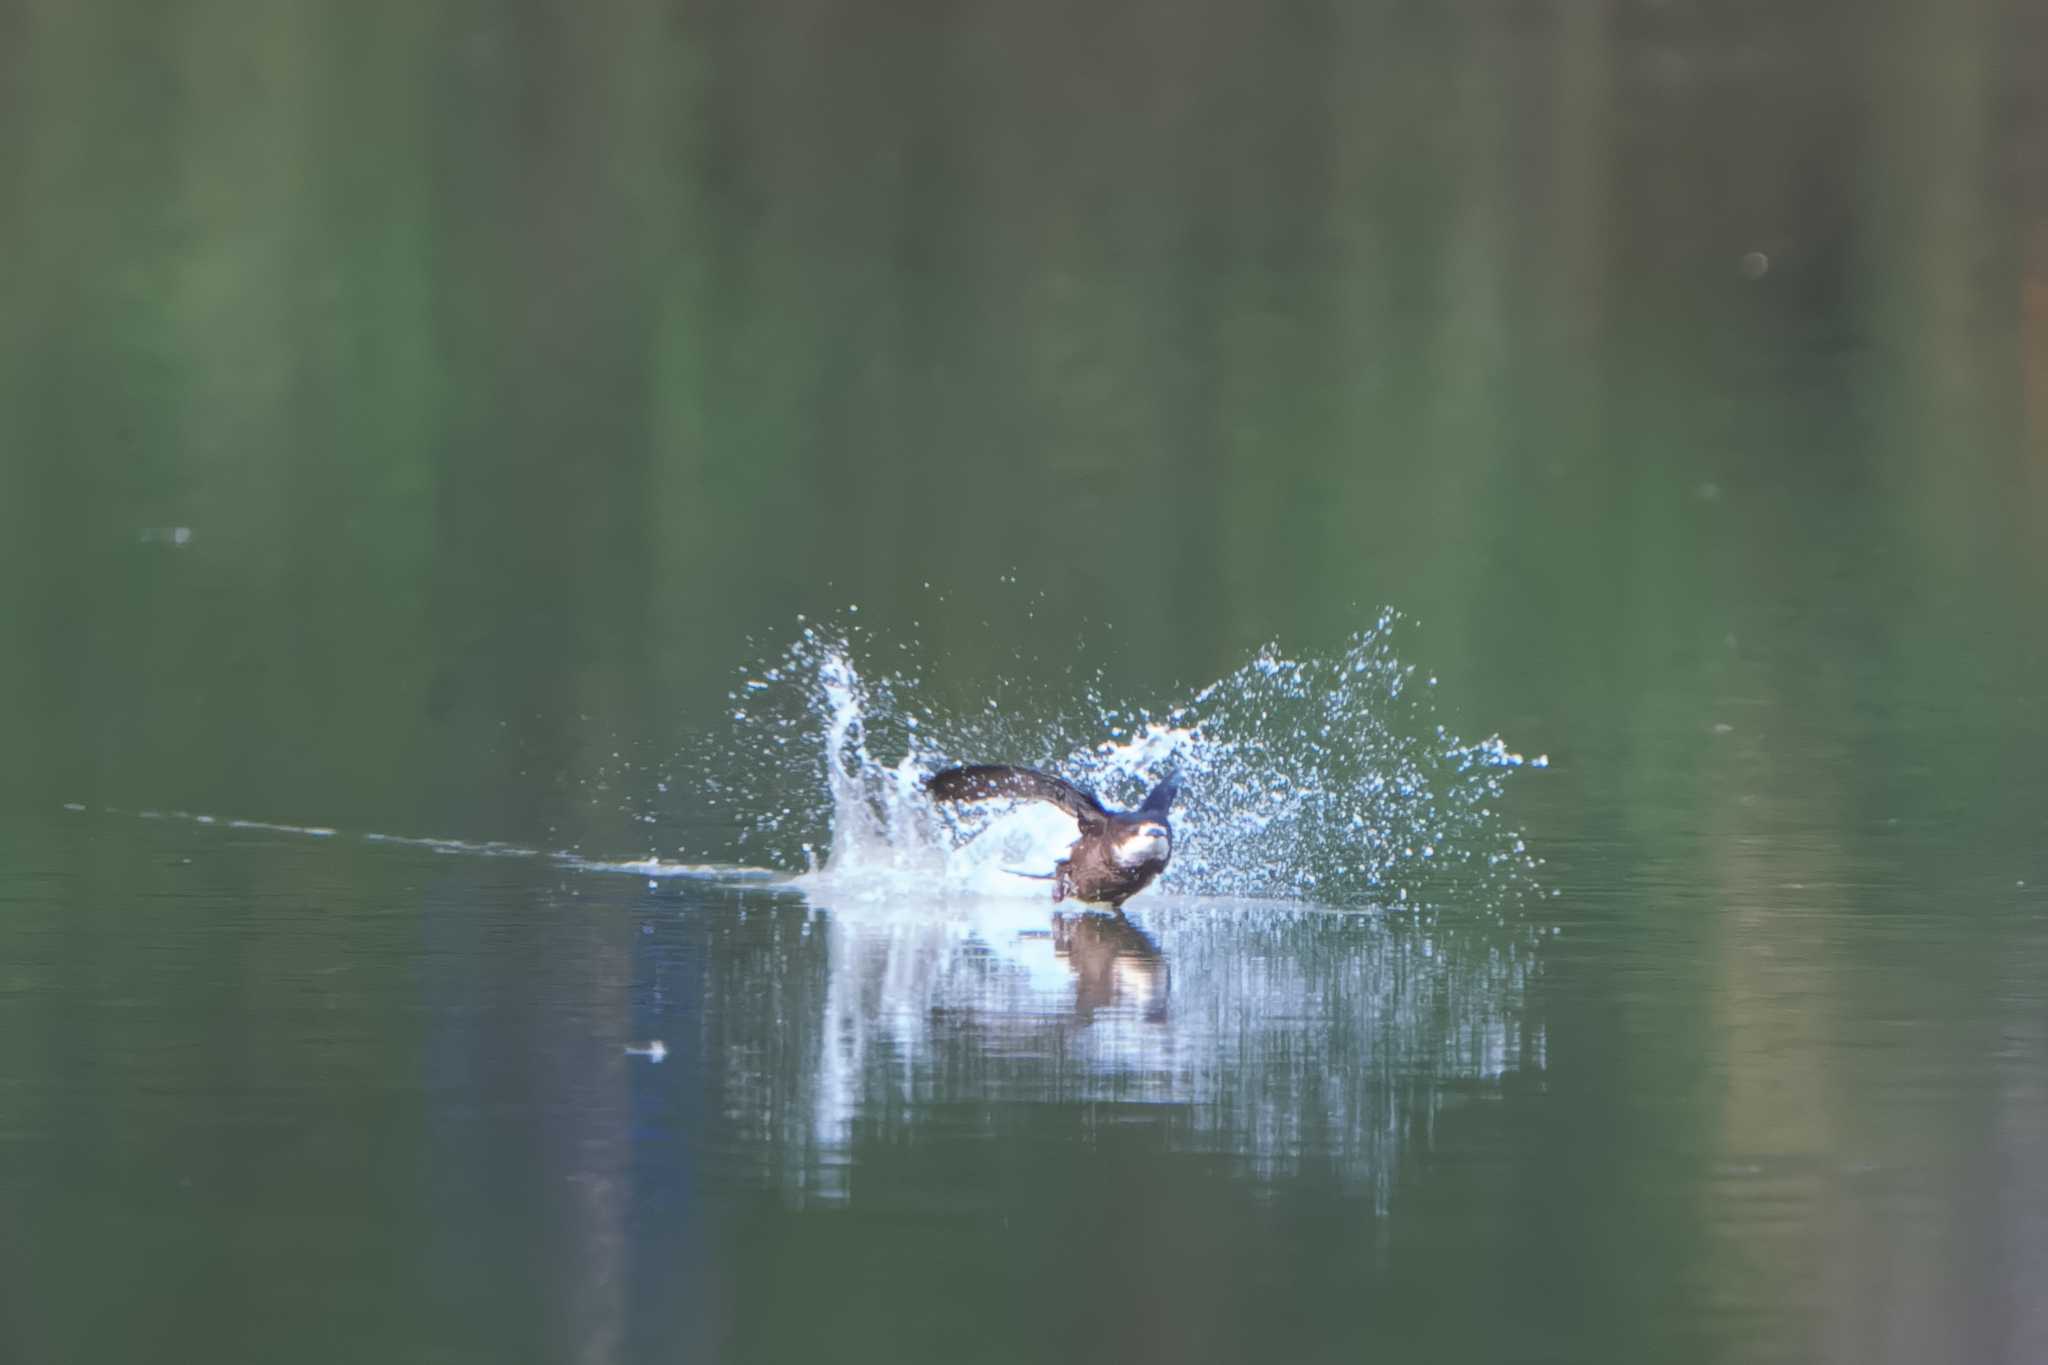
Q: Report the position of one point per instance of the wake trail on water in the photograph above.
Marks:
(490, 848)
(1323, 778)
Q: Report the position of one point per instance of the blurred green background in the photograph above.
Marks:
(408, 408)
(512, 365)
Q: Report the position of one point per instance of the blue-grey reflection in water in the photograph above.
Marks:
(1275, 1036)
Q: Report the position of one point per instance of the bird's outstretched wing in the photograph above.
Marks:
(995, 781)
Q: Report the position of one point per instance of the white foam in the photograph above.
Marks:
(310, 831)
(660, 868)
(483, 850)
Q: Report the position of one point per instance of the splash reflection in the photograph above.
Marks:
(1283, 1038)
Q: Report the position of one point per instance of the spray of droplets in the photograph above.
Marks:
(1325, 778)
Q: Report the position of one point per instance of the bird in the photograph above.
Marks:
(1118, 853)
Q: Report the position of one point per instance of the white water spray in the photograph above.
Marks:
(1325, 778)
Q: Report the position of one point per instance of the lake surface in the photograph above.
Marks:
(1562, 482)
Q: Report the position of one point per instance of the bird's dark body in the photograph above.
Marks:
(1090, 875)
(1118, 853)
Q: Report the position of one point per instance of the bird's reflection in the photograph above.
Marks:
(1114, 962)
(1280, 1036)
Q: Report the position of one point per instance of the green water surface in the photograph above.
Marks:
(412, 413)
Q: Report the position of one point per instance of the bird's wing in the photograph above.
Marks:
(994, 781)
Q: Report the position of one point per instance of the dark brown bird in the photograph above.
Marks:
(1118, 853)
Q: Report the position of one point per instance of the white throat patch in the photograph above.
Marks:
(1141, 847)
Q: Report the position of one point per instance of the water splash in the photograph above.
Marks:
(1325, 778)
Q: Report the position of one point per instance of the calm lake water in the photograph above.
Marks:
(438, 421)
